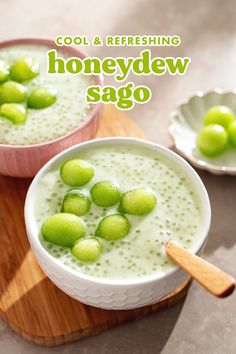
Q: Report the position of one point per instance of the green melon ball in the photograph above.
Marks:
(138, 201)
(105, 194)
(24, 69)
(76, 172)
(42, 97)
(75, 202)
(16, 113)
(113, 227)
(63, 229)
(221, 115)
(12, 92)
(232, 133)
(4, 71)
(87, 249)
(212, 140)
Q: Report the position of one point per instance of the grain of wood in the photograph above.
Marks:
(210, 277)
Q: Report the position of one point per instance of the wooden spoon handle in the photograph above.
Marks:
(212, 278)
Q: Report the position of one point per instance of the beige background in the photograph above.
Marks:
(200, 324)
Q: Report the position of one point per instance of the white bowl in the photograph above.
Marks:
(106, 293)
(187, 121)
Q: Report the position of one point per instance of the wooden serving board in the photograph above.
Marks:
(31, 304)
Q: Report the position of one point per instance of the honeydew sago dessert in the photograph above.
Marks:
(36, 107)
(219, 131)
(109, 211)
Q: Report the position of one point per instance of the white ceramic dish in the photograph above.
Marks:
(187, 121)
(105, 293)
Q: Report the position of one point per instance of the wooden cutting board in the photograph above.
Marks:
(29, 302)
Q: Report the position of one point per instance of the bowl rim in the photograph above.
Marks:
(32, 230)
(71, 50)
(203, 165)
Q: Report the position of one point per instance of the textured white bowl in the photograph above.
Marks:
(101, 292)
(187, 121)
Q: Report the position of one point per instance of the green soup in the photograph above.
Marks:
(176, 216)
(68, 112)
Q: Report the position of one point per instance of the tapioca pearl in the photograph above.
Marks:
(87, 268)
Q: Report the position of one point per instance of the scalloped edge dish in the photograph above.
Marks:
(187, 120)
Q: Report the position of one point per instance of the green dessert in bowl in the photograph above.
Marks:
(117, 202)
(38, 109)
(204, 131)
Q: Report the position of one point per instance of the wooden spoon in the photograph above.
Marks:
(210, 277)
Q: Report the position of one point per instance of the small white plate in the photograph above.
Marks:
(187, 121)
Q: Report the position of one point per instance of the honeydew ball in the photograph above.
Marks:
(221, 115)
(12, 92)
(42, 97)
(75, 202)
(4, 71)
(232, 133)
(24, 69)
(105, 194)
(87, 249)
(113, 227)
(138, 201)
(63, 229)
(212, 140)
(76, 172)
(16, 113)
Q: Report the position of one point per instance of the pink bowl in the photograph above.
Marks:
(26, 160)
